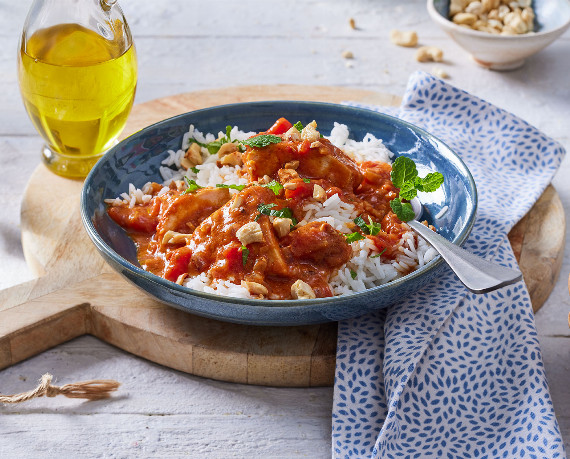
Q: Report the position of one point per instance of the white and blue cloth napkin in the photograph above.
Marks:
(448, 373)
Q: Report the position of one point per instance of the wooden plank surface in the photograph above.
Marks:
(76, 294)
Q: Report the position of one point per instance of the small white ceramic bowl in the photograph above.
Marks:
(506, 52)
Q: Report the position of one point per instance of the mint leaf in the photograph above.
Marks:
(262, 140)
(353, 237)
(403, 170)
(353, 274)
(192, 186)
(374, 228)
(403, 210)
(233, 187)
(299, 126)
(274, 186)
(267, 209)
(213, 147)
(359, 221)
(371, 228)
(408, 191)
(430, 182)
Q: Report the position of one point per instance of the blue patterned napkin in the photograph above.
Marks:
(448, 373)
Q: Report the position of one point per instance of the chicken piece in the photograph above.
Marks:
(189, 210)
(214, 240)
(324, 161)
(318, 243)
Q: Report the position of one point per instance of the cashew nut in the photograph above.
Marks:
(282, 226)
(408, 39)
(255, 288)
(319, 193)
(302, 291)
(310, 132)
(249, 233)
(429, 53)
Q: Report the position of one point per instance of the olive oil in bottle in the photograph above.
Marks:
(78, 89)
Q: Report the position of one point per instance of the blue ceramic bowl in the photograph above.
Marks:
(137, 160)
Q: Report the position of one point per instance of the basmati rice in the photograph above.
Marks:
(365, 270)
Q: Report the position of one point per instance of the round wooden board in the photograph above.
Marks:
(79, 294)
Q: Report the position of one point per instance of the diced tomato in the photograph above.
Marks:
(177, 263)
(303, 190)
(234, 258)
(304, 147)
(281, 126)
(333, 190)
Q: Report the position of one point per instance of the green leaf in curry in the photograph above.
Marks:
(403, 210)
(261, 141)
(192, 186)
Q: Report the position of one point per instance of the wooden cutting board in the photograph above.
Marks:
(76, 293)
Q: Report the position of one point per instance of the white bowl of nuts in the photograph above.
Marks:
(501, 34)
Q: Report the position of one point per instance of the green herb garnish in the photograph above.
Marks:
(214, 147)
(373, 228)
(299, 126)
(353, 237)
(261, 141)
(244, 254)
(306, 180)
(194, 169)
(233, 187)
(404, 176)
(378, 254)
(403, 210)
(353, 274)
(274, 186)
(192, 140)
(192, 186)
(267, 209)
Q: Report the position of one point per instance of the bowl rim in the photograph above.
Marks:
(436, 16)
(275, 305)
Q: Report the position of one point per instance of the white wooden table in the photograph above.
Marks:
(186, 46)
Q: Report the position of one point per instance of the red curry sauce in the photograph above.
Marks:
(206, 221)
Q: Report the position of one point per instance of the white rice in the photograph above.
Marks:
(365, 270)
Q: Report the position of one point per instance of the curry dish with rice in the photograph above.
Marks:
(255, 235)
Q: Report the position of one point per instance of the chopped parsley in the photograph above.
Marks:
(353, 237)
(233, 187)
(299, 126)
(306, 180)
(244, 254)
(274, 186)
(404, 176)
(353, 274)
(371, 228)
(192, 186)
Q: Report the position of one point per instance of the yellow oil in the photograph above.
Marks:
(78, 89)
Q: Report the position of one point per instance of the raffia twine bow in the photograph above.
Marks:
(95, 389)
